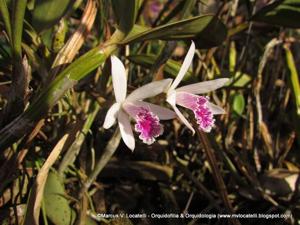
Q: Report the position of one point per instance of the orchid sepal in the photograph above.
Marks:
(111, 115)
(203, 87)
(149, 90)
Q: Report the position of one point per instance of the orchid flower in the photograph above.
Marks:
(146, 115)
(187, 97)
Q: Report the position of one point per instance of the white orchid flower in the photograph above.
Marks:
(146, 115)
(186, 96)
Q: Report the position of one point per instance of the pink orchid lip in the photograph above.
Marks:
(147, 123)
(200, 106)
(204, 115)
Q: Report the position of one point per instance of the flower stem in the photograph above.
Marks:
(108, 152)
(74, 149)
(216, 174)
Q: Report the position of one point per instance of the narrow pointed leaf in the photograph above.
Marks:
(126, 13)
(136, 30)
(17, 26)
(172, 67)
(6, 17)
(207, 31)
(294, 78)
(280, 13)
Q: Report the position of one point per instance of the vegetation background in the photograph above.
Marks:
(59, 166)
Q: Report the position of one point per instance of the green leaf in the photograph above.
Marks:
(238, 104)
(172, 67)
(126, 13)
(6, 17)
(56, 203)
(281, 13)
(294, 78)
(60, 36)
(46, 13)
(5, 50)
(207, 31)
(17, 26)
(188, 7)
(240, 79)
(65, 80)
(135, 31)
(232, 57)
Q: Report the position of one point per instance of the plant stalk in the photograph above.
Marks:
(108, 152)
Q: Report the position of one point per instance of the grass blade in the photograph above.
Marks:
(6, 17)
(17, 26)
(294, 78)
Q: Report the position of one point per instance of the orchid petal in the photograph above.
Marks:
(149, 90)
(215, 109)
(111, 115)
(171, 99)
(163, 113)
(125, 129)
(203, 87)
(186, 99)
(183, 119)
(119, 78)
(185, 66)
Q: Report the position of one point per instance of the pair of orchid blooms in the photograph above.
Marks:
(147, 115)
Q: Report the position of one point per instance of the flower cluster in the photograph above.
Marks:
(147, 115)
